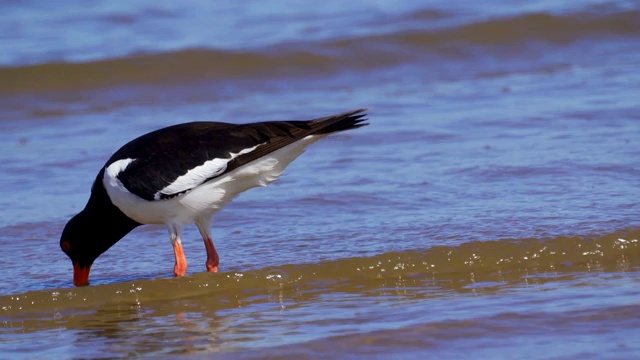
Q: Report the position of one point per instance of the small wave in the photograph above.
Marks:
(440, 266)
(168, 68)
(315, 59)
(532, 27)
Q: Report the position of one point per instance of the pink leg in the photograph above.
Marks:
(213, 260)
(180, 269)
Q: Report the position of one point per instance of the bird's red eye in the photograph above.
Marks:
(65, 246)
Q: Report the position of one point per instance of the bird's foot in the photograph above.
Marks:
(180, 269)
(213, 260)
(212, 265)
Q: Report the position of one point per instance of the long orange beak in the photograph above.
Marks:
(81, 275)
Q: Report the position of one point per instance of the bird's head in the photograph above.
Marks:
(87, 235)
(82, 243)
(93, 231)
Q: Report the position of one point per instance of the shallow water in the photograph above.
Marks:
(489, 210)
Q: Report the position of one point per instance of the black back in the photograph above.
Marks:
(163, 155)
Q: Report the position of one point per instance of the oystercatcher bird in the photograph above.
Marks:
(184, 174)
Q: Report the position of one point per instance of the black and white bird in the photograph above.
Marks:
(184, 174)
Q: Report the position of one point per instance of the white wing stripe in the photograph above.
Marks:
(199, 174)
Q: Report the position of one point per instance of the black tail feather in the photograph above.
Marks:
(345, 121)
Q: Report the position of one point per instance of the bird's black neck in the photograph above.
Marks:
(110, 222)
